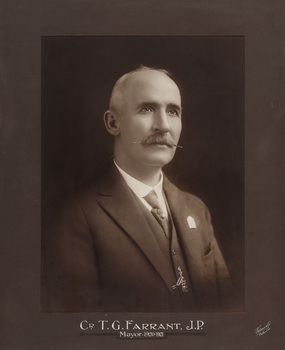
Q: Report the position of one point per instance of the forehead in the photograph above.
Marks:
(153, 86)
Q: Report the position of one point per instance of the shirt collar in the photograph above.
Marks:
(138, 187)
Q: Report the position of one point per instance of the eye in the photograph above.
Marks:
(174, 113)
(147, 110)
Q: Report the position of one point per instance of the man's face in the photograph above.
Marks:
(149, 120)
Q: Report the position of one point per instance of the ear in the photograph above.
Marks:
(111, 123)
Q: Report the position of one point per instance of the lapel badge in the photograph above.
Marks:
(191, 222)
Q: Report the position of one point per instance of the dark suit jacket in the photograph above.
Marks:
(100, 254)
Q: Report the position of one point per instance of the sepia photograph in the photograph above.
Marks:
(142, 174)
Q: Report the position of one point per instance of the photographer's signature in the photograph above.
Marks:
(259, 331)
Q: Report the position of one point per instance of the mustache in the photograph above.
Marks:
(158, 139)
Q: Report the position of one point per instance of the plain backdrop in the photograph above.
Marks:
(78, 74)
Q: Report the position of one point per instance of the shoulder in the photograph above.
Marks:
(69, 204)
(193, 200)
(184, 198)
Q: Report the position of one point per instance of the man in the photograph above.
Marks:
(133, 241)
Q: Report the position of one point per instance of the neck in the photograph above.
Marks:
(148, 175)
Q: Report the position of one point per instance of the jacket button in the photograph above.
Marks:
(173, 251)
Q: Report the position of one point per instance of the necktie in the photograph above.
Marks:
(152, 199)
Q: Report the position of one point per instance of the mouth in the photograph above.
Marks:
(159, 144)
(163, 144)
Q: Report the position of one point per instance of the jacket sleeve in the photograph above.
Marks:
(69, 272)
(228, 297)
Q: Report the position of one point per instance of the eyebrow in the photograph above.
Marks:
(173, 105)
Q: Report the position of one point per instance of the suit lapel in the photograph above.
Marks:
(191, 241)
(118, 200)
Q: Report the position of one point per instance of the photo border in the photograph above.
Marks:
(262, 25)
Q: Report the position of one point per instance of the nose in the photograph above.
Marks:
(161, 122)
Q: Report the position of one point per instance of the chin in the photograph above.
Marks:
(157, 161)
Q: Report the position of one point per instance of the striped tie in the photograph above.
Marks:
(152, 199)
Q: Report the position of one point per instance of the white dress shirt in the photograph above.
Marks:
(140, 189)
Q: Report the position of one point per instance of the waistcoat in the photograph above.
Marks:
(182, 294)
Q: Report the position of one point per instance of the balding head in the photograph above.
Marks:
(124, 84)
